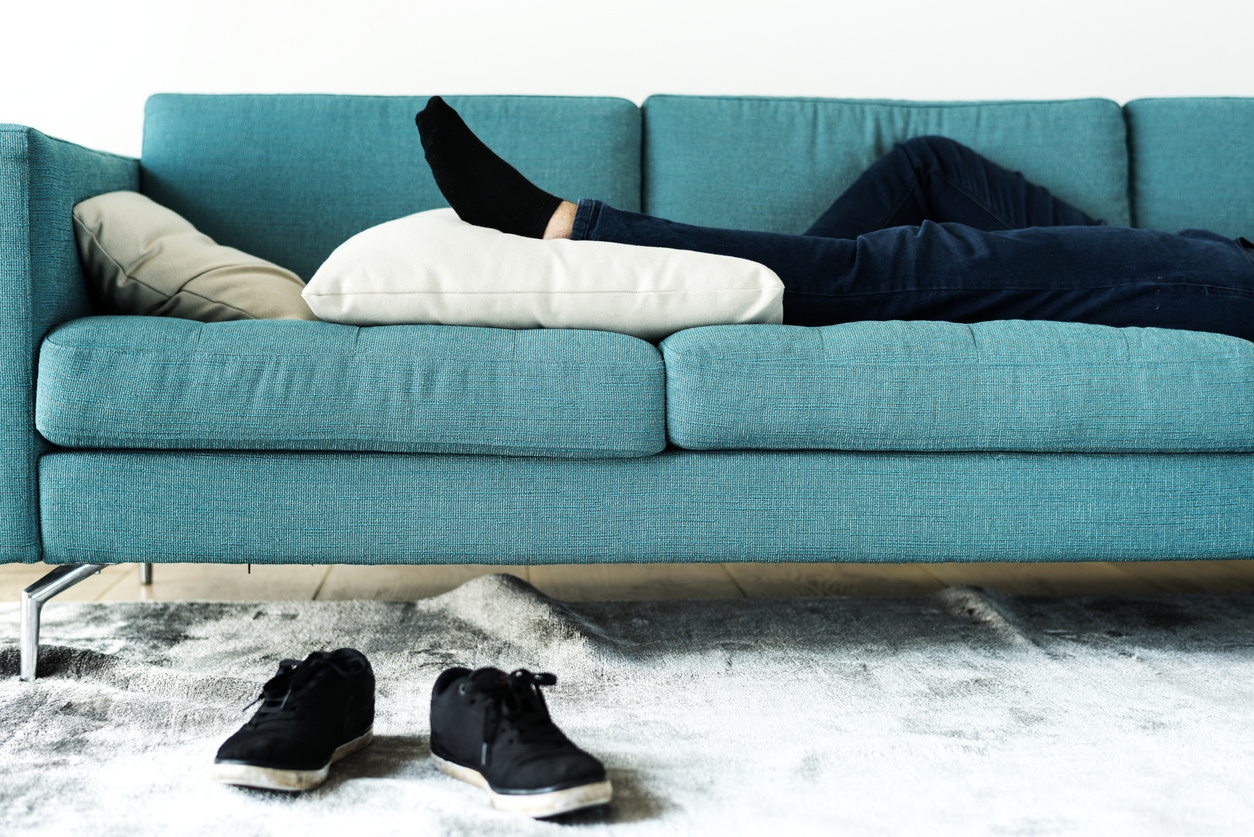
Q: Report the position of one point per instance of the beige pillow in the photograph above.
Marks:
(141, 258)
(433, 267)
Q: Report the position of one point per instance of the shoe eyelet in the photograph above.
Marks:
(461, 689)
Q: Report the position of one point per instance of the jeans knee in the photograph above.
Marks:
(932, 148)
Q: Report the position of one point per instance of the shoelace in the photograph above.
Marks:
(293, 676)
(516, 697)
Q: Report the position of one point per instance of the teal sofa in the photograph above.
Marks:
(140, 439)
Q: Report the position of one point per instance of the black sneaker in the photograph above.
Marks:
(313, 713)
(493, 730)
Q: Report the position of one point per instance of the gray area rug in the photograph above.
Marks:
(963, 712)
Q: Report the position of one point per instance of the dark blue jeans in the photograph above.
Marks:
(934, 231)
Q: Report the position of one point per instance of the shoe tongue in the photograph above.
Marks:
(282, 676)
(347, 660)
(487, 675)
(345, 654)
(294, 673)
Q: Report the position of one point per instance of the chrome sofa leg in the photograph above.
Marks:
(145, 573)
(59, 580)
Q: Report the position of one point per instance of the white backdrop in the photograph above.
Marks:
(82, 70)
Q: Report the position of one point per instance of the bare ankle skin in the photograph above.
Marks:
(560, 224)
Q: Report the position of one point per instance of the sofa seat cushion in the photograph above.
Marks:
(160, 383)
(930, 386)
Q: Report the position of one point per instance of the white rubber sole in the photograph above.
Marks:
(532, 804)
(269, 778)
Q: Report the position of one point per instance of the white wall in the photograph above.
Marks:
(82, 70)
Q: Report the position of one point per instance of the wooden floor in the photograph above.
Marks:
(593, 582)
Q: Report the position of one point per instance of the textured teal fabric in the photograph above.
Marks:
(41, 284)
(676, 506)
(156, 382)
(1010, 385)
(777, 164)
(290, 177)
(1192, 164)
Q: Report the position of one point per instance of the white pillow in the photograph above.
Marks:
(433, 267)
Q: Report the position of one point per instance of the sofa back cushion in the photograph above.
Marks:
(777, 164)
(290, 177)
(1192, 164)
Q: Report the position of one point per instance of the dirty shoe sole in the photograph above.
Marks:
(541, 804)
(271, 778)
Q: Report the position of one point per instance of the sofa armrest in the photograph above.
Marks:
(41, 286)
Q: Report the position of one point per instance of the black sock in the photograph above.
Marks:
(482, 188)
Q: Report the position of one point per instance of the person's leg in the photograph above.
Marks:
(482, 188)
(1104, 275)
(937, 179)
(1091, 274)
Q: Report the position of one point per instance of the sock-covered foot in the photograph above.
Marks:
(482, 188)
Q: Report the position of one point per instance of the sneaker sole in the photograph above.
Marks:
(546, 804)
(270, 778)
